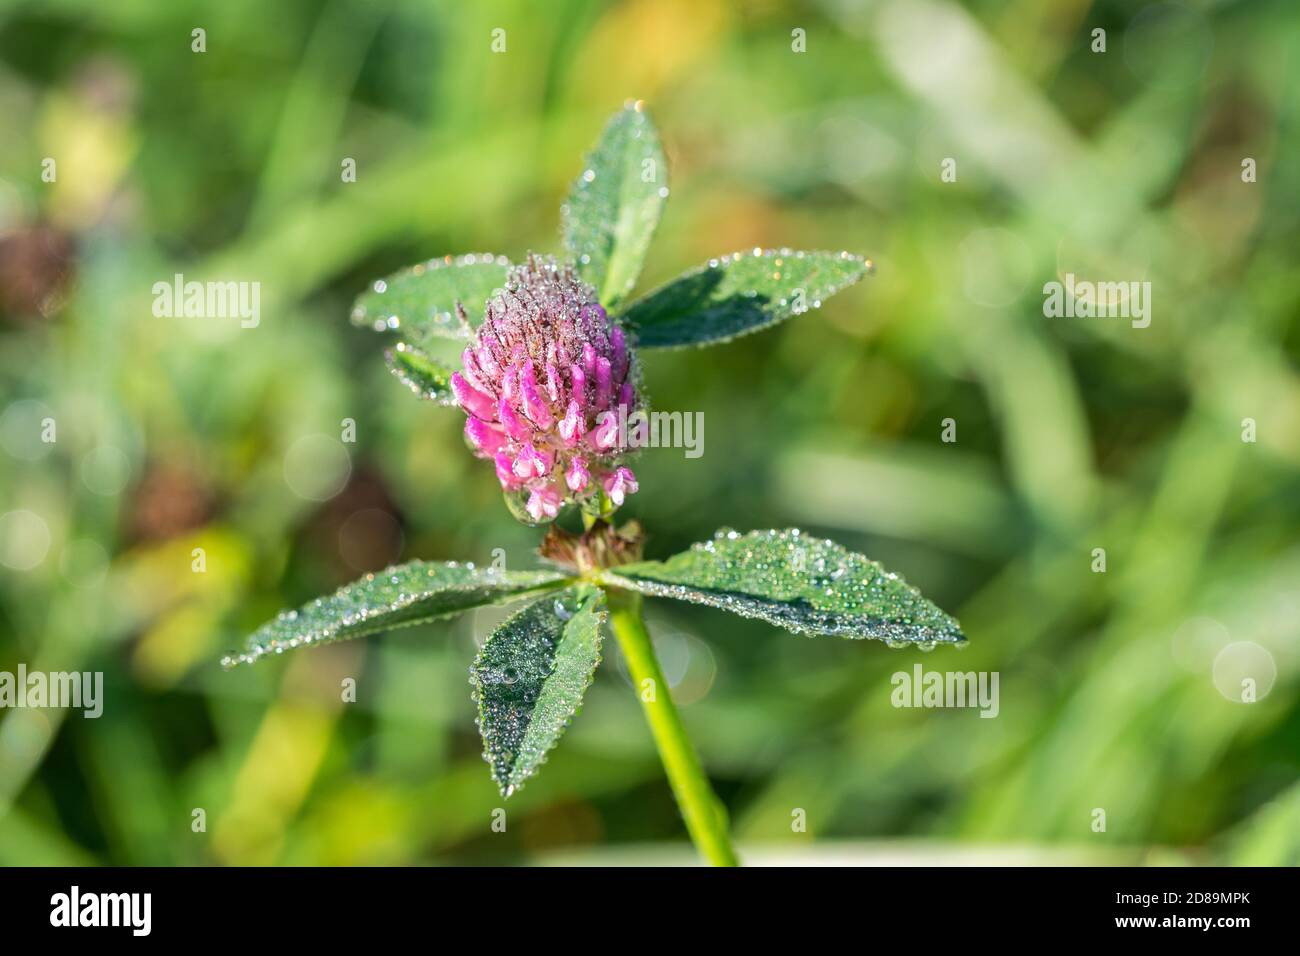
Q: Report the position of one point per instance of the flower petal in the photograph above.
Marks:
(577, 476)
(544, 503)
(487, 439)
(618, 484)
(471, 399)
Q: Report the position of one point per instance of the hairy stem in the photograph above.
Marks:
(706, 820)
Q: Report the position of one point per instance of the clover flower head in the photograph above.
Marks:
(542, 382)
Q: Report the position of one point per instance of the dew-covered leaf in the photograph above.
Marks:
(614, 205)
(738, 294)
(422, 374)
(793, 580)
(421, 300)
(396, 597)
(530, 677)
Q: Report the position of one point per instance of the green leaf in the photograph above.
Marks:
(421, 300)
(614, 205)
(396, 597)
(530, 677)
(424, 376)
(793, 580)
(738, 294)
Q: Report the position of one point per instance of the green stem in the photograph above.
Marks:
(706, 820)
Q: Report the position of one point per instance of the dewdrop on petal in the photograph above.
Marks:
(541, 383)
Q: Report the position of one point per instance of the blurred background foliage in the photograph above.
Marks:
(1119, 690)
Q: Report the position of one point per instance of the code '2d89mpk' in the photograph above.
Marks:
(550, 361)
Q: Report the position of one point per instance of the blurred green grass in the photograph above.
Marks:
(175, 434)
